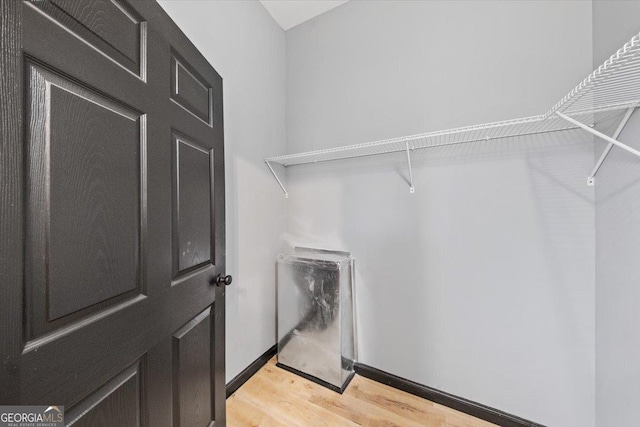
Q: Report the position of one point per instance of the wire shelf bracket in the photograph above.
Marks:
(611, 140)
(284, 190)
(605, 153)
(411, 188)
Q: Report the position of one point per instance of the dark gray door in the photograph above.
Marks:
(111, 215)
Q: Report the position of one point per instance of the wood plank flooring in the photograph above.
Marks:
(275, 397)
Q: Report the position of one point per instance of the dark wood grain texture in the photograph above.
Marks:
(11, 200)
(211, 136)
(101, 296)
(189, 89)
(110, 26)
(94, 196)
(115, 404)
(85, 176)
(192, 404)
(108, 19)
(193, 199)
(83, 193)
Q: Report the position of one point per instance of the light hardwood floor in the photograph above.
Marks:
(275, 397)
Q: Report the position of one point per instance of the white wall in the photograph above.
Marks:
(482, 282)
(617, 243)
(617, 279)
(247, 48)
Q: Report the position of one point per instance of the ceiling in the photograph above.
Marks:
(289, 13)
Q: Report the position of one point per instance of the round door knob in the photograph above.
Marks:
(223, 280)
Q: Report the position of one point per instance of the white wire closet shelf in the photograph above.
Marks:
(615, 85)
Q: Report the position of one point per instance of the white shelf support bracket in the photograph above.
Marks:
(412, 188)
(610, 140)
(286, 195)
(605, 153)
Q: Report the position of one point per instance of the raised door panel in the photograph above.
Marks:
(84, 189)
(117, 403)
(94, 196)
(192, 380)
(193, 174)
(190, 90)
(110, 26)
